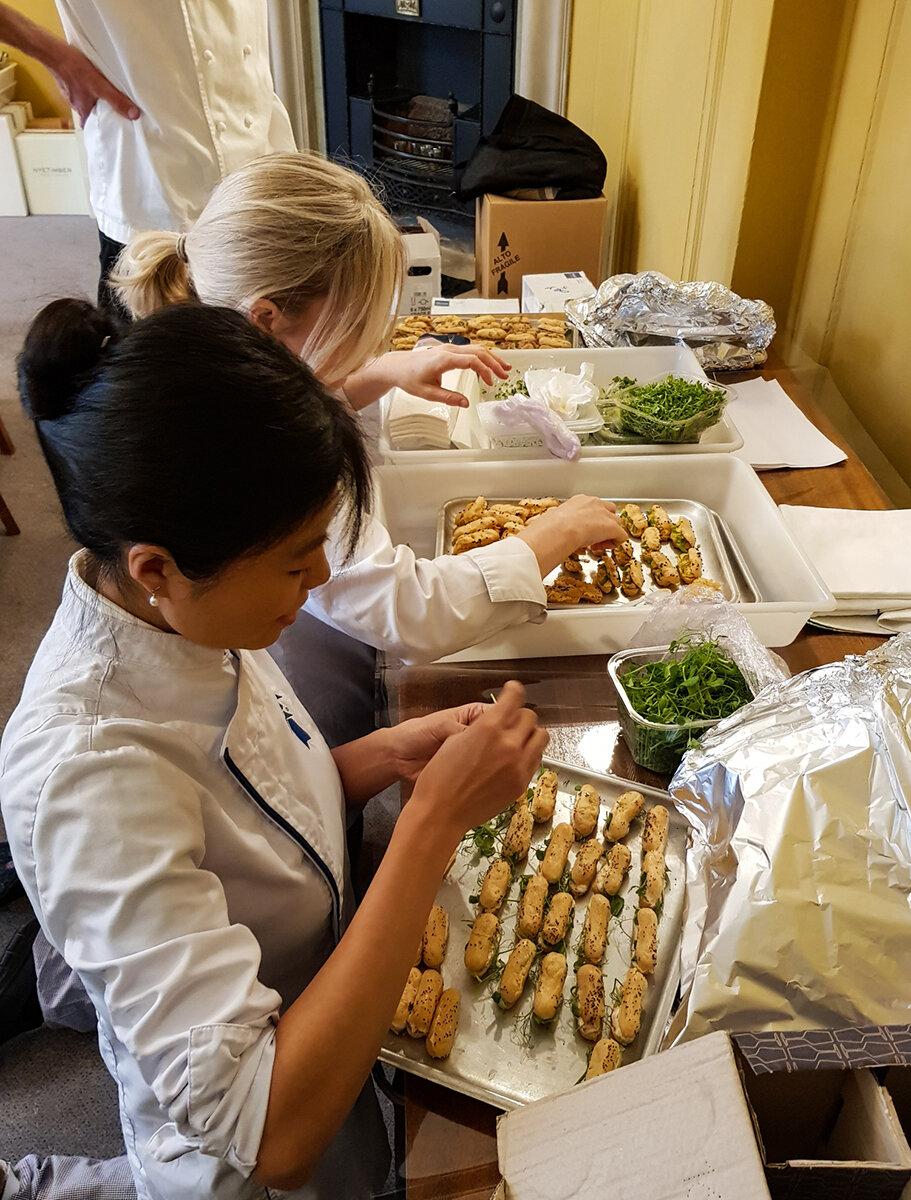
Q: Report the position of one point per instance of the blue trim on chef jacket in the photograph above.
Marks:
(295, 834)
(292, 724)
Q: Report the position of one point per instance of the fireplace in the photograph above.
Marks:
(409, 87)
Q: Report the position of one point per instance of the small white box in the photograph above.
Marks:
(12, 193)
(52, 162)
(422, 275)
(473, 305)
(549, 293)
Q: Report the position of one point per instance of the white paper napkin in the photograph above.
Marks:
(861, 557)
(416, 424)
(775, 431)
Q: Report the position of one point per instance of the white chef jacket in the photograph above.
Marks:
(178, 824)
(199, 72)
(421, 609)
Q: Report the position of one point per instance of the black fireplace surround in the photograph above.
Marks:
(410, 86)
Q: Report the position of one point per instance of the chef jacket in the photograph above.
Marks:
(199, 72)
(421, 609)
(179, 826)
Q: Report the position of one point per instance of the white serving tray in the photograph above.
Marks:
(639, 362)
(410, 498)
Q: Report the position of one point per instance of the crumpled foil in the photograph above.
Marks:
(799, 867)
(648, 309)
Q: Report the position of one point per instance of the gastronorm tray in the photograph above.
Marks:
(504, 1058)
(716, 559)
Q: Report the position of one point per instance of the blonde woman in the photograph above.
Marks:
(303, 248)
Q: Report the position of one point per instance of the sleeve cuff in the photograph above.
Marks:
(510, 571)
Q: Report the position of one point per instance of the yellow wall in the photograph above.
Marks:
(667, 88)
(853, 310)
(34, 82)
(766, 144)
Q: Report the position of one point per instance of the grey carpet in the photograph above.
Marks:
(55, 1095)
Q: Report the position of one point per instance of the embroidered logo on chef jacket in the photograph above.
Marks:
(292, 724)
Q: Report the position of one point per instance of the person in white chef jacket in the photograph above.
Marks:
(303, 247)
(173, 96)
(174, 814)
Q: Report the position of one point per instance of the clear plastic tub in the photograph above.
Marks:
(652, 745)
(625, 422)
(588, 420)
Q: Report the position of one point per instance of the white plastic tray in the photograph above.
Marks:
(410, 499)
(639, 362)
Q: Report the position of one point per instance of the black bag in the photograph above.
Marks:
(531, 147)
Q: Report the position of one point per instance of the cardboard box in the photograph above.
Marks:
(12, 193)
(422, 279)
(549, 293)
(535, 237)
(52, 164)
(676, 1124)
(711, 1118)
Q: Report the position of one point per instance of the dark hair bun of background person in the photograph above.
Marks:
(63, 347)
(195, 431)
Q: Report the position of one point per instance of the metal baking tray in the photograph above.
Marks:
(504, 1058)
(714, 548)
(749, 590)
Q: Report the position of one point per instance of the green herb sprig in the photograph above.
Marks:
(705, 684)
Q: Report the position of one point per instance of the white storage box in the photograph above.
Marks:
(422, 273)
(52, 162)
(638, 362)
(549, 293)
(410, 499)
(12, 193)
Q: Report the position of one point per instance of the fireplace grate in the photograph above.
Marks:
(413, 152)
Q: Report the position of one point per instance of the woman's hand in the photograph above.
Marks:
(476, 773)
(579, 521)
(420, 373)
(415, 742)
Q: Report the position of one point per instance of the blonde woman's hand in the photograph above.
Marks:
(420, 373)
(579, 521)
(477, 773)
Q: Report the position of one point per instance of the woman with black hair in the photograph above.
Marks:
(175, 816)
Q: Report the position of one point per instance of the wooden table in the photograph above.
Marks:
(450, 1140)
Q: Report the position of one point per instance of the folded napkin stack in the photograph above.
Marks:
(775, 432)
(862, 559)
(416, 424)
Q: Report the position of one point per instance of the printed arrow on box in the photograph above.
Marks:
(504, 241)
(503, 284)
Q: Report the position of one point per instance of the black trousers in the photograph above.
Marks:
(108, 254)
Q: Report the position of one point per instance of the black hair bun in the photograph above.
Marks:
(64, 346)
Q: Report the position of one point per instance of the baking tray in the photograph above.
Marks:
(504, 1058)
(716, 558)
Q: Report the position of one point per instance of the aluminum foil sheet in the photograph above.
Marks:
(799, 868)
(648, 309)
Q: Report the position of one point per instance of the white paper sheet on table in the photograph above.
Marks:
(860, 557)
(775, 431)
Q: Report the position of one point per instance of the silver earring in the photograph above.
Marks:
(153, 600)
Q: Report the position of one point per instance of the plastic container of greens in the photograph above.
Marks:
(652, 745)
(646, 409)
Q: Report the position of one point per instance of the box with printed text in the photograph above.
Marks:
(535, 237)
